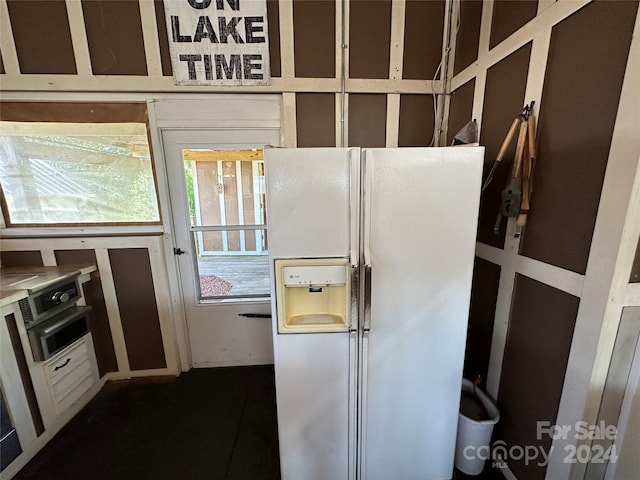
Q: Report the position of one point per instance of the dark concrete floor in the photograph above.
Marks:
(206, 424)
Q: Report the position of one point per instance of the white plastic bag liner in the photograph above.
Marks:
(473, 434)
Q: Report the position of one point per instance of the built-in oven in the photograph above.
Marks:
(52, 319)
(54, 334)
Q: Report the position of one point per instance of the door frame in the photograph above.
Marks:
(198, 112)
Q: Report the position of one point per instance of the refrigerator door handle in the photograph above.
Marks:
(367, 298)
(355, 282)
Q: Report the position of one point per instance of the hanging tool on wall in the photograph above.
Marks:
(528, 161)
(516, 195)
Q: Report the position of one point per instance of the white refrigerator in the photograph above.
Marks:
(378, 396)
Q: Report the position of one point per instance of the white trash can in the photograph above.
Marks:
(475, 426)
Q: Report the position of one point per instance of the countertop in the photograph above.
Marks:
(17, 283)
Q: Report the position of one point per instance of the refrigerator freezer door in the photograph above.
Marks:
(422, 215)
(309, 212)
(308, 203)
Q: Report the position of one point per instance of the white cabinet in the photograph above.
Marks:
(63, 381)
(70, 374)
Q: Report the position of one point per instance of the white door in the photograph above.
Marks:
(216, 183)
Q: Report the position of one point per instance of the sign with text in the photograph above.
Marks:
(218, 42)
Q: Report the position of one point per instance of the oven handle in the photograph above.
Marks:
(49, 329)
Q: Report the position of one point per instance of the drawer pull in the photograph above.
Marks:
(63, 365)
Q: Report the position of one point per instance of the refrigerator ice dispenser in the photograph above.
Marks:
(312, 295)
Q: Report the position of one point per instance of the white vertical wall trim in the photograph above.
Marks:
(287, 58)
(393, 120)
(537, 67)
(48, 257)
(485, 30)
(338, 39)
(347, 29)
(113, 312)
(287, 52)
(338, 120)
(500, 327)
(445, 72)
(162, 295)
(608, 269)
(481, 71)
(345, 99)
(289, 127)
(511, 241)
(150, 38)
(398, 8)
(451, 35)
(478, 101)
(396, 55)
(175, 289)
(79, 37)
(7, 44)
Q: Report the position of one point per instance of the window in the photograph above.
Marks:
(226, 197)
(77, 173)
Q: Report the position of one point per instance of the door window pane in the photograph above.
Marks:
(226, 192)
(235, 275)
(61, 173)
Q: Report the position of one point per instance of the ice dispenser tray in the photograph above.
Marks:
(312, 295)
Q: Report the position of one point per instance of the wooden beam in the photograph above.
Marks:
(222, 155)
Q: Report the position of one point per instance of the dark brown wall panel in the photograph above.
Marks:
(42, 36)
(25, 376)
(273, 19)
(163, 38)
(26, 258)
(423, 25)
(635, 268)
(509, 16)
(316, 119)
(2, 71)
(416, 121)
(369, 38)
(367, 120)
(314, 31)
(460, 109)
(484, 294)
(138, 309)
(503, 101)
(535, 360)
(468, 35)
(73, 112)
(577, 116)
(114, 33)
(99, 320)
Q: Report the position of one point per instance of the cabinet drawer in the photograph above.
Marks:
(82, 387)
(71, 379)
(66, 361)
(70, 374)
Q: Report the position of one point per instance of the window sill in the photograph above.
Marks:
(106, 231)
